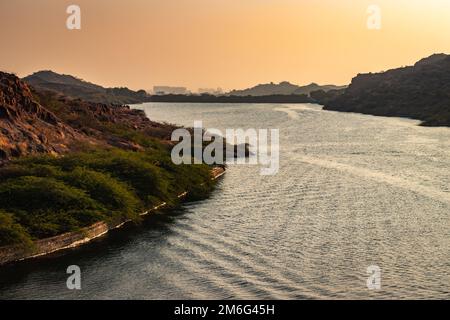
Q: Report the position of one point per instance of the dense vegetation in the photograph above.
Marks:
(81, 162)
(45, 196)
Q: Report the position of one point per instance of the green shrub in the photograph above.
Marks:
(46, 207)
(17, 170)
(111, 193)
(38, 193)
(11, 232)
(46, 196)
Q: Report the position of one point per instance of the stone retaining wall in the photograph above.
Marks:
(72, 239)
(49, 245)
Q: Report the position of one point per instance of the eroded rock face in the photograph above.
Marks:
(26, 127)
(105, 122)
(33, 121)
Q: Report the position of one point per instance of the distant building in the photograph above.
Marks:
(162, 90)
(215, 92)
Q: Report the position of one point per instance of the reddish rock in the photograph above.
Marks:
(26, 127)
(33, 122)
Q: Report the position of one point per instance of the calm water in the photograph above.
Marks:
(352, 191)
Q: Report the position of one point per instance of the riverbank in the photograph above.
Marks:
(68, 164)
(15, 253)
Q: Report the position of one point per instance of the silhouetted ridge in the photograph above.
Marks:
(420, 92)
(283, 88)
(77, 88)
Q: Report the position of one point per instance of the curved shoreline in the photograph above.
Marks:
(75, 239)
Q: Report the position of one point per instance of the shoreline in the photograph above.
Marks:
(69, 240)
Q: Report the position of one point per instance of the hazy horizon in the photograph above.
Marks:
(218, 43)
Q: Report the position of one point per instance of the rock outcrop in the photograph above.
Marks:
(420, 92)
(26, 127)
(45, 122)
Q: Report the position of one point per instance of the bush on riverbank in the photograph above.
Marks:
(45, 196)
(11, 232)
(109, 163)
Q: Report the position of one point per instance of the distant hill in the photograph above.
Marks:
(420, 92)
(209, 98)
(73, 87)
(283, 88)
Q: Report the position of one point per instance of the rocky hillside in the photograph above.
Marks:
(26, 127)
(76, 88)
(420, 92)
(35, 122)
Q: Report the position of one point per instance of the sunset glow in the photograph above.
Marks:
(219, 43)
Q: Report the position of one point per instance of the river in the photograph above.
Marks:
(352, 191)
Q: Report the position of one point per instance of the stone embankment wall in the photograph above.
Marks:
(74, 239)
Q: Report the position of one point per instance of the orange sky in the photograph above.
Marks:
(219, 43)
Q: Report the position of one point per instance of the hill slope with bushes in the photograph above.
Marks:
(76, 88)
(67, 164)
(420, 92)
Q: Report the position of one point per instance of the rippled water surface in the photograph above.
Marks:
(352, 191)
